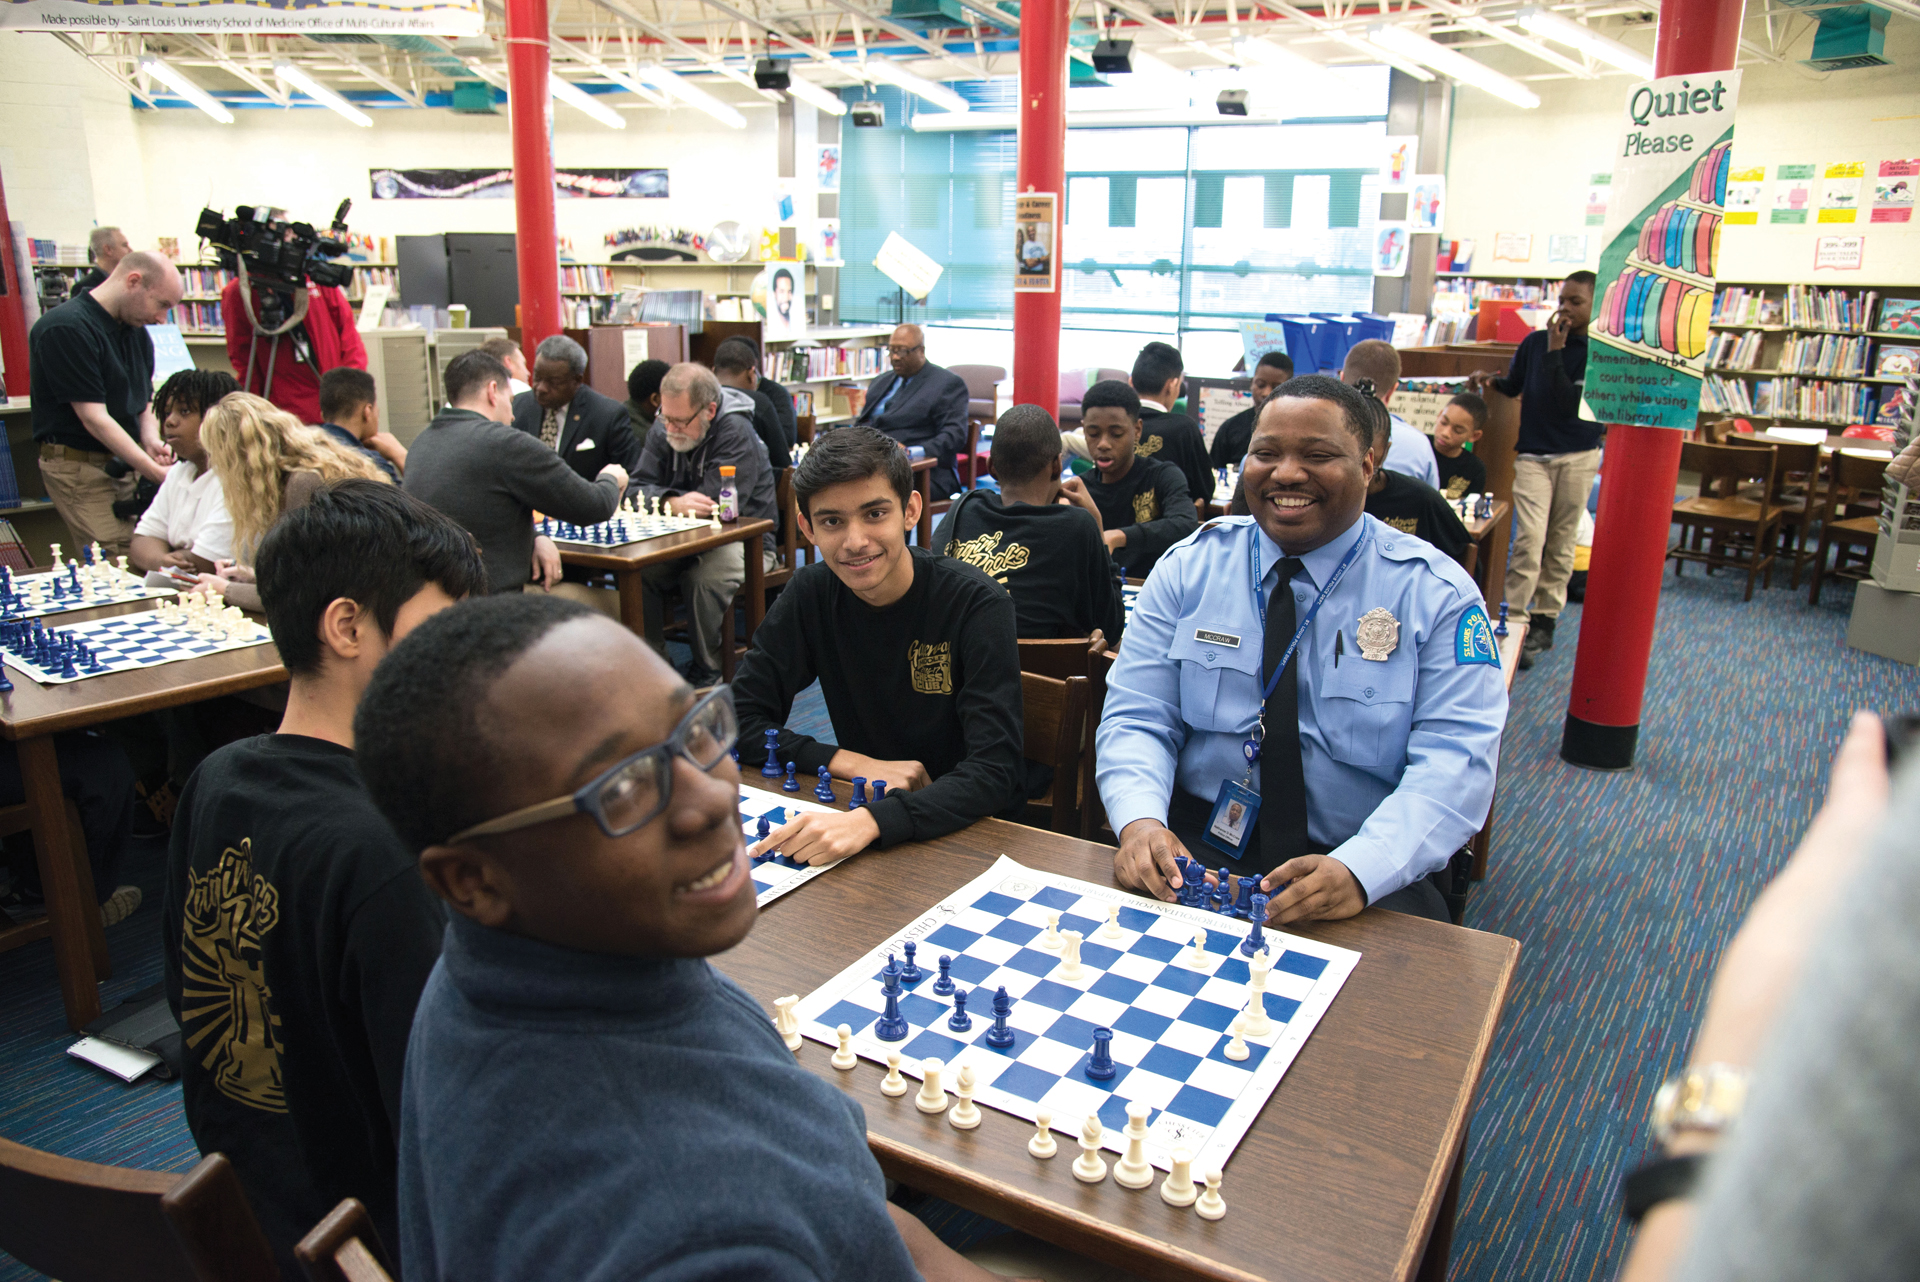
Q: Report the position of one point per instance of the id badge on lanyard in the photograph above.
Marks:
(1236, 808)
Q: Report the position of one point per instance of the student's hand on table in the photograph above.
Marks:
(179, 563)
(1145, 859)
(1114, 539)
(211, 583)
(1316, 888)
(901, 776)
(546, 562)
(816, 838)
(693, 503)
(1074, 491)
(1557, 328)
(233, 571)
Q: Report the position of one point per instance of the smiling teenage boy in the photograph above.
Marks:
(586, 1096)
(1145, 506)
(916, 654)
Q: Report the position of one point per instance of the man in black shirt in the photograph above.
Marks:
(91, 363)
(1144, 504)
(1158, 375)
(1461, 422)
(643, 397)
(1038, 537)
(583, 427)
(350, 414)
(297, 931)
(1408, 504)
(1231, 441)
(915, 653)
(734, 366)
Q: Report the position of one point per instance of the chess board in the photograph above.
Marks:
(1129, 593)
(774, 877)
(136, 641)
(1169, 1020)
(627, 527)
(34, 597)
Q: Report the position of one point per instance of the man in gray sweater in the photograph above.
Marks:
(471, 464)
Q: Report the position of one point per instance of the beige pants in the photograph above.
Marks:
(83, 495)
(708, 582)
(1549, 492)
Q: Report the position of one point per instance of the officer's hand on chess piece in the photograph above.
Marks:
(619, 474)
(816, 838)
(692, 503)
(901, 776)
(1074, 492)
(1145, 860)
(1316, 888)
(546, 561)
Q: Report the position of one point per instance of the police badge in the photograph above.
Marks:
(1378, 634)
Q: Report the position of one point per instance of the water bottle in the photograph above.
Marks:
(729, 500)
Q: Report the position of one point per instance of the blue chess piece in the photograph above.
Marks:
(73, 577)
(1243, 902)
(66, 664)
(879, 789)
(859, 797)
(911, 972)
(770, 769)
(1100, 1067)
(1222, 897)
(960, 1021)
(1500, 629)
(824, 789)
(761, 829)
(1000, 1036)
(1255, 941)
(891, 1026)
(792, 784)
(943, 986)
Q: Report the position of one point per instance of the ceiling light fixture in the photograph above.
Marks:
(1375, 52)
(1266, 53)
(693, 95)
(582, 101)
(1551, 26)
(169, 75)
(326, 97)
(1452, 62)
(803, 90)
(893, 73)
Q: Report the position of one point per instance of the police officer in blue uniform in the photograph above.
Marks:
(1304, 694)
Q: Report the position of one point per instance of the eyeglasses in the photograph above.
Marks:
(630, 794)
(683, 424)
(906, 351)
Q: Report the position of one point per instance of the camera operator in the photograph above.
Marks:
(288, 372)
(92, 373)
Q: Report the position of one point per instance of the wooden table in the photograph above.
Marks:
(31, 713)
(625, 561)
(1352, 1169)
(1491, 534)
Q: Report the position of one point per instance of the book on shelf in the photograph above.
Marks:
(1738, 305)
(1895, 406)
(1823, 354)
(1892, 361)
(1900, 316)
(1734, 349)
(1813, 308)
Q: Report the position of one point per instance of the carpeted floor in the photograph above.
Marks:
(1622, 889)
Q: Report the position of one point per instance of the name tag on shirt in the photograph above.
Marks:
(1216, 638)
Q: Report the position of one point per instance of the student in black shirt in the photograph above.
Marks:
(916, 655)
(350, 414)
(1038, 537)
(733, 365)
(1158, 374)
(1409, 504)
(296, 929)
(1231, 441)
(643, 397)
(1461, 422)
(1144, 504)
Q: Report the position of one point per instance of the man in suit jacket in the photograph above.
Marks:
(919, 403)
(584, 428)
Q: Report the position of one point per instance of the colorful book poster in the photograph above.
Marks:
(1391, 240)
(1661, 250)
(1036, 238)
(1743, 195)
(1792, 193)
(1598, 186)
(1396, 164)
(1840, 191)
(1257, 338)
(1427, 202)
(1893, 191)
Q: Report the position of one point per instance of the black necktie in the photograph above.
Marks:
(1283, 780)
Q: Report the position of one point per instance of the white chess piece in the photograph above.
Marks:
(121, 561)
(1134, 1171)
(931, 1098)
(1050, 937)
(966, 1114)
(715, 522)
(893, 1084)
(1177, 1189)
(844, 1058)
(1070, 968)
(1112, 929)
(1196, 957)
(1211, 1206)
(56, 553)
(1089, 1167)
(1042, 1144)
(1258, 1023)
(1237, 1048)
(785, 1022)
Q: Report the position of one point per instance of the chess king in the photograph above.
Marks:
(1330, 676)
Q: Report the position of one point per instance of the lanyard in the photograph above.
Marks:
(1333, 581)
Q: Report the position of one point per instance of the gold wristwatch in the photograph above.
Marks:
(1706, 1097)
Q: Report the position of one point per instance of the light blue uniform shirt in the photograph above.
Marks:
(1410, 453)
(1400, 755)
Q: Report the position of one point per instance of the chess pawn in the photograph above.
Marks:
(56, 555)
(931, 1098)
(1134, 1171)
(1042, 1144)
(1177, 1189)
(1050, 937)
(893, 1084)
(844, 1058)
(1112, 929)
(1211, 1206)
(966, 1114)
(1237, 1048)
(1196, 957)
(121, 561)
(1090, 1167)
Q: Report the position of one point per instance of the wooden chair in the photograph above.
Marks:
(1740, 531)
(1849, 478)
(344, 1247)
(1064, 660)
(17, 819)
(13, 551)
(1055, 715)
(790, 545)
(83, 1222)
(1799, 465)
(983, 405)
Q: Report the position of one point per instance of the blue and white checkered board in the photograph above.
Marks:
(627, 528)
(1129, 594)
(776, 877)
(1169, 1022)
(136, 641)
(112, 588)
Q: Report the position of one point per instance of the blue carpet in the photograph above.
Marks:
(1622, 889)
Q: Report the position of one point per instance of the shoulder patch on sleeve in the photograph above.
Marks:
(1473, 639)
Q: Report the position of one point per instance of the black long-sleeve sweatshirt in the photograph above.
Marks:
(1049, 558)
(933, 678)
(1152, 504)
(1176, 439)
(1550, 385)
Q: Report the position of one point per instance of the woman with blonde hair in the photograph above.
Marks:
(268, 461)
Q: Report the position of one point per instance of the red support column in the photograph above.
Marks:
(1042, 168)
(1641, 469)
(13, 310)
(530, 109)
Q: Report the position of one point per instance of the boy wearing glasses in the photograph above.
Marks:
(920, 403)
(297, 933)
(585, 1095)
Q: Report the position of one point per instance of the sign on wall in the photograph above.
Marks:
(497, 184)
(1036, 242)
(265, 17)
(1648, 337)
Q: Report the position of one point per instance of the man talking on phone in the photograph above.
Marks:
(1558, 456)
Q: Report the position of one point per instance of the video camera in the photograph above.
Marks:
(278, 254)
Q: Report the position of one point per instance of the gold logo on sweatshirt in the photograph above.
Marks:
(1148, 446)
(226, 1005)
(986, 554)
(932, 667)
(1457, 487)
(1146, 506)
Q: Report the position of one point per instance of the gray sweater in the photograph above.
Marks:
(492, 479)
(730, 441)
